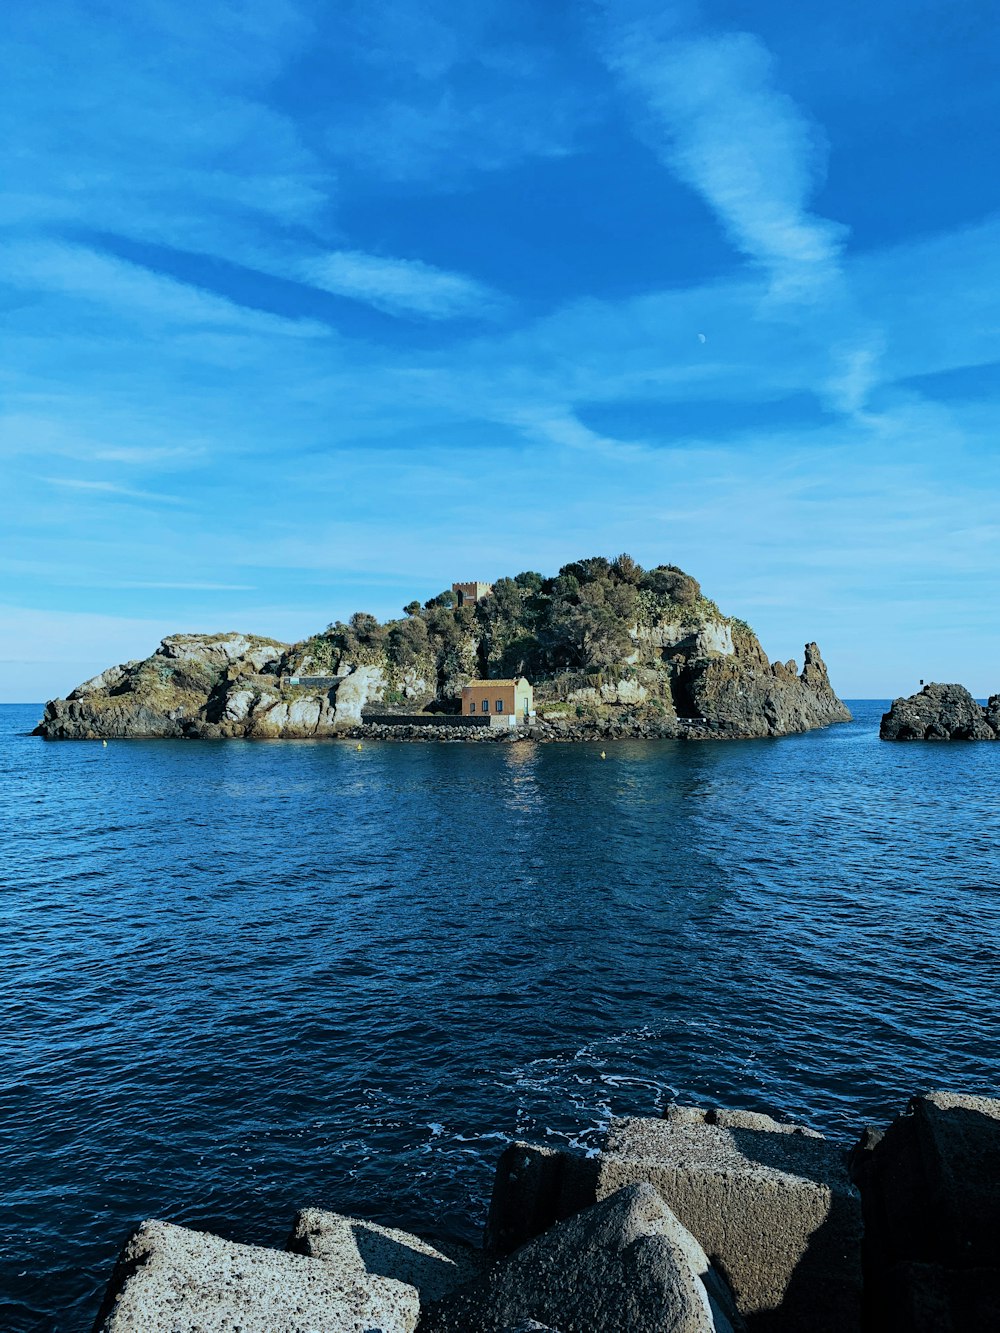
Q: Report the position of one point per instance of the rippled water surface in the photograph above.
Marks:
(240, 978)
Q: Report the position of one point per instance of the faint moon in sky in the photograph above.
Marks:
(702, 338)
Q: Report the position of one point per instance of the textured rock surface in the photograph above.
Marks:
(927, 1298)
(930, 1187)
(775, 1209)
(941, 713)
(621, 1266)
(751, 697)
(363, 684)
(359, 1250)
(172, 1280)
(771, 1204)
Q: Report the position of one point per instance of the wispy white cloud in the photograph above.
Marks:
(399, 286)
(427, 120)
(114, 490)
(187, 587)
(711, 108)
(436, 135)
(83, 273)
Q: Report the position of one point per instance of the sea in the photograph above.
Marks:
(240, 978)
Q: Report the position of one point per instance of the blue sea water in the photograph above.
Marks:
(240, 978)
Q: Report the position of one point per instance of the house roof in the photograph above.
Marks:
(487, 683)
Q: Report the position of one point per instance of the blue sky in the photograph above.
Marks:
(312, 308)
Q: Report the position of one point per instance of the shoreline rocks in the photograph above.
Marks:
(702, 1221)
(941, 713)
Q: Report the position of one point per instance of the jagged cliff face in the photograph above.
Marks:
(674, 660)
(752, 697)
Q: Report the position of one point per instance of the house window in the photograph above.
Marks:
(499, 705)
(472, 706)
(486, 705)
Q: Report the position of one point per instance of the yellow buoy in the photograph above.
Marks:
(105, 744)
(603, 755)
(358, 746)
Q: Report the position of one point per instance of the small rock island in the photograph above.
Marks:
(603, 649)
(942, 713)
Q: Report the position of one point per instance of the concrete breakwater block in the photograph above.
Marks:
(772, 1205)
(622, 1266)
(169, 1279)
(930, 1186)
(360, 1250)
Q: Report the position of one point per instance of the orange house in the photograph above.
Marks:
(507, 703)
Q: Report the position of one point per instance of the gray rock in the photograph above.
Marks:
(169, 1279)
(363, 684)
(727, 1118)
(930, 1187)
(941, 712)
(619, 1267)
(745, 695)
(926, 1298)
(527, 1192)
(360, 1250)
(772, 1205)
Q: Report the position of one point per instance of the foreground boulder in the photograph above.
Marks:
(771, 1204)
(622, 1266)
(941, 713)
(930, 1186)
(359, 1250)
(169, 1279)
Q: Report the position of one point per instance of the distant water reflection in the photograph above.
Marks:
(239, 978)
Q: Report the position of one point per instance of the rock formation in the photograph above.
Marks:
(717, 1221)
(610, 648)
(941, 713)
(930, 1186)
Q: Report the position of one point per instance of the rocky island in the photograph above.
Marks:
(942, 713)
(612, 649)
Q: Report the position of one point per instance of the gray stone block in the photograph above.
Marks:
(360, 1250)
(169, 1279)
(930, 1187)
(526, 1188)
(624, 1266)
(772, 1205)
(736, 1119)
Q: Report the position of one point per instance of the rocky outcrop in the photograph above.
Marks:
(702, 1221)
(748, 696)
(364, 683)
(215, 687)
(930, 1186)
(941, 713)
